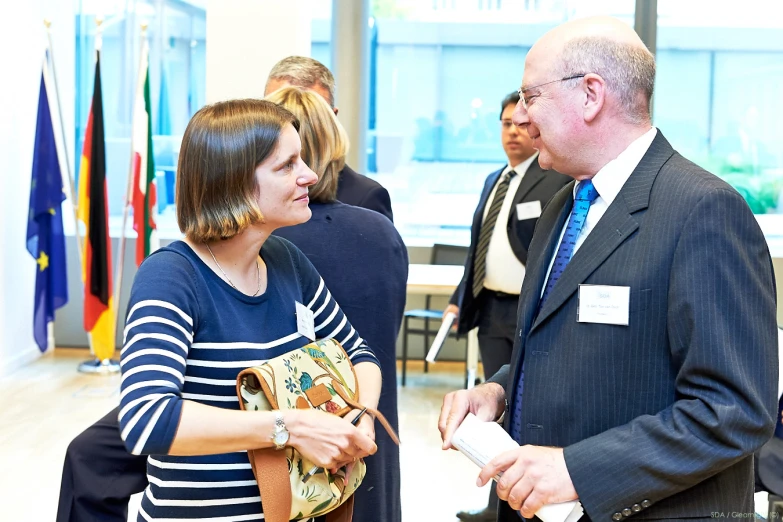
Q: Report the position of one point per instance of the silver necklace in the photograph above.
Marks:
(258, 273)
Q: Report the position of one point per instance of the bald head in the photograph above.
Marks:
(607, 47)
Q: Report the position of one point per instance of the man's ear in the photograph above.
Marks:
(594, 88)
(336, 110)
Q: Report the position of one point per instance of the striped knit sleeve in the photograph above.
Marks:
(158, 333)
(329, 319)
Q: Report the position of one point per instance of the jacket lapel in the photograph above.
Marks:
(483, 200)
(552, 224)
(530, 179)
(616, 225)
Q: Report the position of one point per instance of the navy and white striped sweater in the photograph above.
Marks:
(187, 336)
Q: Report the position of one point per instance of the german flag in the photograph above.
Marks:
(94, 213)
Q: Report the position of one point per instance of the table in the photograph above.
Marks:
(442, 280)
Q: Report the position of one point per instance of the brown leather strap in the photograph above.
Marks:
(273, 483)
(375, 413)
(344, 513)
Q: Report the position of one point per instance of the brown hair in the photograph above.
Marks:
(221, 148)
(324, 141)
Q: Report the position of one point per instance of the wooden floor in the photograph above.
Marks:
(44, 405)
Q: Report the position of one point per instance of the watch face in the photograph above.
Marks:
(280, 438)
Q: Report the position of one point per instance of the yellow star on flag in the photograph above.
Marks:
(43, 261)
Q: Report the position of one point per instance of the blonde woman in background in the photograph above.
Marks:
(364, 262)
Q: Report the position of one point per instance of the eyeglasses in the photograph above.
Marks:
(526, 101)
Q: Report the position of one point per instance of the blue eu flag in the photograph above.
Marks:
(45, 238)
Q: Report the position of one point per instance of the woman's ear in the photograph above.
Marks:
(595, 90)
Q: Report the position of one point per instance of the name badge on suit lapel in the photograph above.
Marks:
(603, 304)
(528, 210)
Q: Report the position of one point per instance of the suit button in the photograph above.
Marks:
(617, 517)
(636, 508)
(626, 512)
(646, 504)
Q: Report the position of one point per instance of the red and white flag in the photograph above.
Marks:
(143, 198)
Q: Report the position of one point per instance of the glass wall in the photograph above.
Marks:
(442, 69)
(439, 69)
(719, 92)
(176, 34)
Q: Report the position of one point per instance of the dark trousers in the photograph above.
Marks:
(99, 475)
(496, 328)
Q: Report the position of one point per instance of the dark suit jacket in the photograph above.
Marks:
(364, 263)
(536, 185)
(667, 411)
(361, 191)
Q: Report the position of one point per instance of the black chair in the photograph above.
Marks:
(441, 255)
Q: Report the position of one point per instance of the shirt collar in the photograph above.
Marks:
(610, 179)
(522, 167)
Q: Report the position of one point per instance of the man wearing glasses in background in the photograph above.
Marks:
(503, 224)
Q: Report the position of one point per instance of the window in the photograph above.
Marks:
(441, 71)
(176, 34)
(719, 93)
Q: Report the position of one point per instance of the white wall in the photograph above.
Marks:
(23, 40)
(245, 38)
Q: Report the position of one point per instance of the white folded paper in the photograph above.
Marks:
(482, 441)
(440, 337)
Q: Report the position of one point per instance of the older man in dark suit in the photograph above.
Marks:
(503, 225)
(644, 374)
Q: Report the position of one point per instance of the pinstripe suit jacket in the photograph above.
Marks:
(659, 419)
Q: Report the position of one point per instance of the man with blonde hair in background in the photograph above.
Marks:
(310, 74)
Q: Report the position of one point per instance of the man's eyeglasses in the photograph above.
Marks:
(526, 100)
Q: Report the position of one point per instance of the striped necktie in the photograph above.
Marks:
(585, 195)
(487, 227)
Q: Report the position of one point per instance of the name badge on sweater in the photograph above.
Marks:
(304, 321)
(528, 210)
(603, 304)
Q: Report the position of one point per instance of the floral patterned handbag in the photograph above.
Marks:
(321, 376)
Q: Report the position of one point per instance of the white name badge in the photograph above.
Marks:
(528, 210)
(304, 321)
(603, 304)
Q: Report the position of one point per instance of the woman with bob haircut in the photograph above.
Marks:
(203, 309)
(364, 262)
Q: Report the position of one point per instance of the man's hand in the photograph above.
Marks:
(532, 477)
(454, 309)
(485, 402)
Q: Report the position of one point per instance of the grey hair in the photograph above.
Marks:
(628, 70)
(304, 72)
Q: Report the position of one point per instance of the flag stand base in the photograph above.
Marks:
(105, 367)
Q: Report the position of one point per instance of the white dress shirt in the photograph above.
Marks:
(504, 270)
(607, 182)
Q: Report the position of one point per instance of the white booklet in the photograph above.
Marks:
(440, 337)
(482, 441)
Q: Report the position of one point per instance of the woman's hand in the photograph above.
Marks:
(328, 440)
(366, 424)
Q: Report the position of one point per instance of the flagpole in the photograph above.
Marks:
(71, 184)
(96, 365)
(129, 189)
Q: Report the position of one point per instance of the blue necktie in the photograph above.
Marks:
(585, 195)
(779, 427)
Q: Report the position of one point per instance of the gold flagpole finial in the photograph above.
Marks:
(99, 22)
(47, 23)
(144, 26)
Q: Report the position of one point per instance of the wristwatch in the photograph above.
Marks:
(503, 415)
(280, 434)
